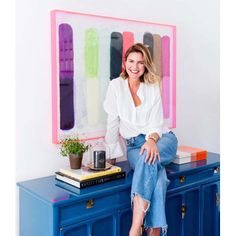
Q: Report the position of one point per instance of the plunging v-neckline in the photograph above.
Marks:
(133, 100)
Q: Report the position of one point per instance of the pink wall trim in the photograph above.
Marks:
(114, 18)
(54, 77)
(174, 78)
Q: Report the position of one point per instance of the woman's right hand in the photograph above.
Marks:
(152, 151)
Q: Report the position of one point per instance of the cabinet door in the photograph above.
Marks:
(182, 213)
(76, 230)
(192, 212)
(125, 221)
(211, 209)
(104, 226)
(98, 226)
(173, 214)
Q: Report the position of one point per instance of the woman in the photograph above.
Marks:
(134, 107)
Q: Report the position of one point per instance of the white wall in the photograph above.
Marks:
(197, 72)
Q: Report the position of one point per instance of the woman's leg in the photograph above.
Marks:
(155, 219)
(138, 215)
(146, 181)
(143, 184)
(153, 232)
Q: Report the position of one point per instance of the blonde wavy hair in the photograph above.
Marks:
(149, 76)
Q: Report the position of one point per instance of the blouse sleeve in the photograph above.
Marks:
(112, 142)
(110, 102)
(156, 120)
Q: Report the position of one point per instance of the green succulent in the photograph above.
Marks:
(73, 146)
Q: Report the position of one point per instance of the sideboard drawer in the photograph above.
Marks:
(188, 178)
(84, 209)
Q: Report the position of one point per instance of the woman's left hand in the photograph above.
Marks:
(152, 151)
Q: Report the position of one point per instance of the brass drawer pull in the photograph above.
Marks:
(182, 179)
(217, 199)
(183, 211)
(216, 169)
(89, 203)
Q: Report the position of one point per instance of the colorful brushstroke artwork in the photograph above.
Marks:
(87, 52)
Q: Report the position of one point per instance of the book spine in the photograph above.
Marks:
(192, 155)
(100, 174)
(67, 180)
(104, 179)
(201, 155)
(182, 160)
(90, 175)
(90, 182)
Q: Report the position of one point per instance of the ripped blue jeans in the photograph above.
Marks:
(150, 181)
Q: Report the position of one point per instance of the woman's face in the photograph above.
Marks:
(134, 65)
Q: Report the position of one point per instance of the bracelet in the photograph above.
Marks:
(153, 138)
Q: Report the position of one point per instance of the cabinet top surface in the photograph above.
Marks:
(212, 160)
(48, 190)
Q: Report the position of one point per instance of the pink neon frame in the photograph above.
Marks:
(54, 66)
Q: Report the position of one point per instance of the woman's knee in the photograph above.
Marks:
(134, 157)
(167, 147)
(167, 142)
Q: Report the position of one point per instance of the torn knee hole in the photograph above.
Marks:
(142, 204)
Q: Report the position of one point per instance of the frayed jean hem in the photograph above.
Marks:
(163, 229)
(146, 227)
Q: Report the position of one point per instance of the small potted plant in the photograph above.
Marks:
(75, 149)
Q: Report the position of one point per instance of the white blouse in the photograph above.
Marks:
(127, 119)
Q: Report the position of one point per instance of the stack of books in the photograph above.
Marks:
(86, 177)
(186, 154)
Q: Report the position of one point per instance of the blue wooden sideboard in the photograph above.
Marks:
(51, 208)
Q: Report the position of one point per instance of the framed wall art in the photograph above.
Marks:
(87, 52)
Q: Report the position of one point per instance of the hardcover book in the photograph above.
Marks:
(186, 154)
(87, 173)
(90, 182)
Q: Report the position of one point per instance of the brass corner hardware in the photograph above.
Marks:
(182, 179)
(89, 203)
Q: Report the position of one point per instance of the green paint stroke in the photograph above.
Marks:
(91, 53)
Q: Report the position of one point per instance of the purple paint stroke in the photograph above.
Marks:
(66, 74)
(66, 54)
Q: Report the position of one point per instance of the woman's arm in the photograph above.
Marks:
(154, 130)
(156, 120)
(113, 146)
